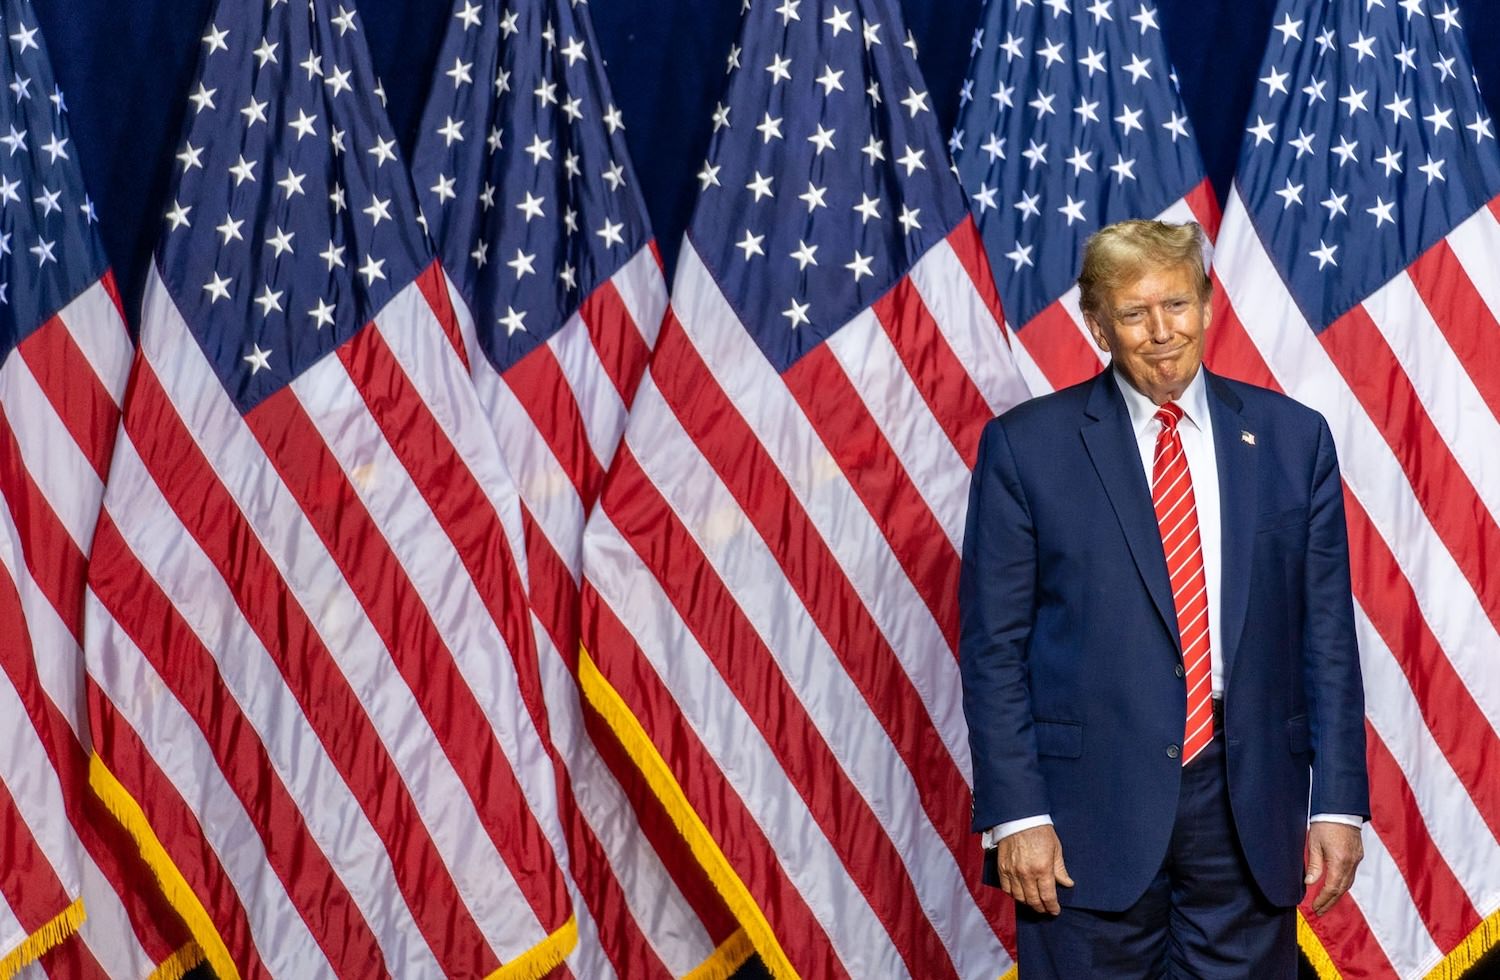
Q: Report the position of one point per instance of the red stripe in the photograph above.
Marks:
(1346, 936)
(434, 289)
(1059, 349)
(1228, 348)
(113, 289)
(75, 392)
(1454, 718)
(1204, 204)
(543, 391)
(132, 598)
(1436, 892)
(765, 498)
(622, 350)
(877, 476)
(55, 562)
(969, 247)
(710, 795)
(708, 608)
(1494, 207)
(331, 707)
(945, 385)
(175, 825)
(73, 960)
(1461, 314)
(1450, 501)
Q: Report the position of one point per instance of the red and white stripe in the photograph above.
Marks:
(59, 406)
(1407, 381)
(344, 751)
(769, 585)
(558, 415)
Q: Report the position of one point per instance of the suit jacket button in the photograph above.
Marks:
(1178, 670)
(1171, 752)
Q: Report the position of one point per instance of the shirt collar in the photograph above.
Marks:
(1194, 404)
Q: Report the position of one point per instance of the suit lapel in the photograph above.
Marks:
(1239, 482)
(1112, 448)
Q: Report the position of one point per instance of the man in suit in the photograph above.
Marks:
(1157, 647)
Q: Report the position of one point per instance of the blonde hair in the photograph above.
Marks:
(1121, 253)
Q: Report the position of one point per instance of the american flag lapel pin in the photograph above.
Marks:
(1247, 437)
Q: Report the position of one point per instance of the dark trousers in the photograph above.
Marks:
(1202, 915)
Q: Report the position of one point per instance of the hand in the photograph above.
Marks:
(1334, 850)
(1031, 867)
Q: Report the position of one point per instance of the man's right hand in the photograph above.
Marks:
(1031, 867)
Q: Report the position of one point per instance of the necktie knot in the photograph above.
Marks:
(1169, 415)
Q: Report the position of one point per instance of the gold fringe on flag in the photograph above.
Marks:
(176, 966)
(722, 963)
(544, 957)
(637, 744)
(1486, 936)
(178, 893)
(53, 932)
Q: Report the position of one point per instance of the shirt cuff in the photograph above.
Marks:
(1348, 819)
(999, 832)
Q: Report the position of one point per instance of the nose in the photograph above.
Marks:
(1160, 330)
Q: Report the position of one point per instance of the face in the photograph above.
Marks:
(1153, 328)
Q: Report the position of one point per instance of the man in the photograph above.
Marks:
(1157, 647)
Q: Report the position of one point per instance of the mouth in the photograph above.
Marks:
(1164, 355)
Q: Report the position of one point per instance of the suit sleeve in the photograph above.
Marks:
(1336, 703)
(997, 604)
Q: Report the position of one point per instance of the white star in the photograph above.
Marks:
(1324, 254)
(43, 252)
(531, 207)
(1275, 82)
(1365, 46)
(1397, 107)
(338, 81)
(805, 255)
(611, 232)
(769, 128)
(1325, 40)
(1413, 8)
(573, 51)
(336, 198)
(1334, 202)
(203, 98)
(344, 21)
(513, 321)
(1355, 100)
(1303, 143)
(614, 176)
(281, 241)
(813, 197)
(874, 149)
(1139, 68)
(1290, 194)
(371, 270)
(217, 289)
(1052, 52)
(1481, 128)
(1146, 17)
(868, 207)
(915, 101)
(214, 39)
(48, 200)
(1391, 161)
(797, 313)
(567, 275)
(1382, 212)
(1034, 154)
(1011, 46)
(1123, 169)
(1291, 30)
(1433, 169)
(452, 130)
(333, 255)
(312, 64)
(1073, 210)
(1449, 17)
(17, 141)
(788, 11)
(229, 228)
(995, 147)
(612, 120)
(259, 360)
(1100, 10)
(760, 186)
(378, 210)
(1093, 61)
(90, 216)
(838, 20)
(1261, 130)
(303, 124)
(487, 196)
(1020, 255)
(708, 176)
(751, 245)
(26, 38)
(21, 87)
(291, 183)
(254, 111)
(912, 160)
(872, 34)
(822, 139)
(481, 254)
(55, 148)
(908, 219)
(721, 116)
(508, 23)
(831, 80)
(322, 314)
(8, 189)
(1059, 7)
(178, 215)
(1177, 126)
(1439, 119)
(1004, 95)
(383, 151)
(1042, 104)
(1028, 205)
(779, 69)
(495, 140)
(1345, 151)
(269, 301)
(573, 108)
(1129, 118)
(1086, 111)
(860, 266)
(469, 15)
(1080, 160)
(1445, 68)
(336, 139)
(546, 93)
(1407, 59)
(539, 149)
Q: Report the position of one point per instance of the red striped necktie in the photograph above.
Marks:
(1177, 517)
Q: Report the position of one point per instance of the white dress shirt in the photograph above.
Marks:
(1196, 431)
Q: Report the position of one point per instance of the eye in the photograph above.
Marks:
(1177, 306)
(1131, 317)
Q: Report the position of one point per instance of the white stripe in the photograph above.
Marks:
(176, 745)
(599, 402)
(1388, 908)
(1458, 829)
(1453, 404)
(49, 453)
(1476, 243)
(1278, 329)
(644, 293)
(899, 411)
(846, 526)
(833, 702)
(27, 773)
(996, 367)
(748, 765)
(96, 327)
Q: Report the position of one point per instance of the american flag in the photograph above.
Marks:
(64, 357)
(1358, 273)
(525, 179)
(312, 682)
(769, 578)
(1069, 120)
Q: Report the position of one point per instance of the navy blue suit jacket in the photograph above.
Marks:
(1069, 648)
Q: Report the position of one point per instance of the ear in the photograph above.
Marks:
(1101, 338)
(1208, 312)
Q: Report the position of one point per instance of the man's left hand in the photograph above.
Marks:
(1334, 850)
